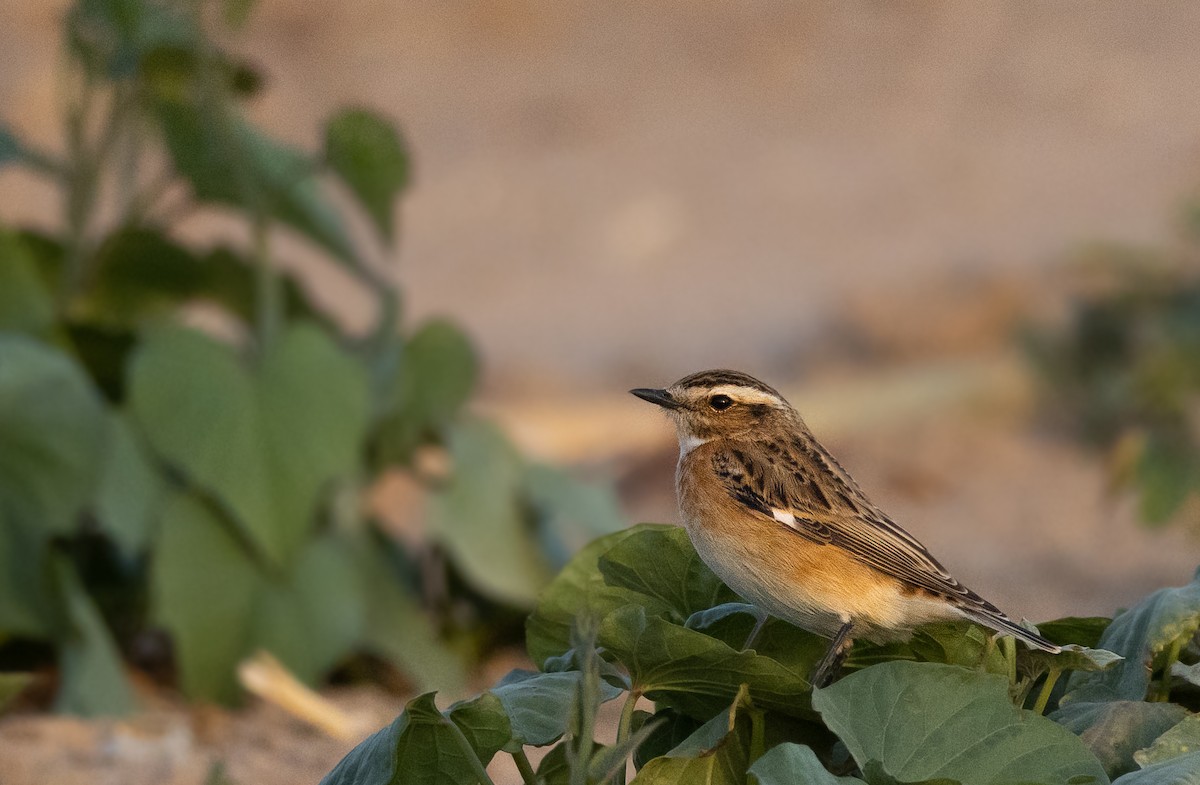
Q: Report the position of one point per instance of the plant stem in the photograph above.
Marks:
(1010, 657)
(1047, 688)
(625, 726)
(268, 294)
(758, 731)
(469, 751)
(528, 776)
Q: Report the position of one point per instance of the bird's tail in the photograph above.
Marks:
(1001, 623)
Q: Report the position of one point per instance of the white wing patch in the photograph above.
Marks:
(784, 517)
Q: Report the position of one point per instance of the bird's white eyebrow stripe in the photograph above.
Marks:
(745, 394)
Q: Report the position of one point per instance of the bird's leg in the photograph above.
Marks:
(761, 617)
(831, 663)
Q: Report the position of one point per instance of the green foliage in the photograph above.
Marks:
(928, 710)
(1125, 372)
(214, 484)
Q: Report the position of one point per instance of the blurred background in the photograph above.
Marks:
(962, 240)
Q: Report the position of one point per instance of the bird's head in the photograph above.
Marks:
(719, 404)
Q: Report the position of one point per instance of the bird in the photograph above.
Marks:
(784, 525)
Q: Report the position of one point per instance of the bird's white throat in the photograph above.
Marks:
(687, 443)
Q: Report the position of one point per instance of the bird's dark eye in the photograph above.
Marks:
(720, 402)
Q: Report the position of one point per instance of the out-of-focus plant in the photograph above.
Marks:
(156, 477)
(1125, 371)
(951, 705)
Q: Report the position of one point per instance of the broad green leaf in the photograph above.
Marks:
(717, 753)
(51, 439)
(52, 428)
(789, 763)
(266, 441)
(1080, 630)
(912, 722)
(132, 488)
(1182, 770)
(205, 585)
(662, 564)
(1181, 739)
(25, 303)
(437, 374)
(229, 162)
(419, 748)
(12, 685)
(221, 607)
(366, 152)
(1139, 635)
(398, 630)
(952, 643)
(538, 704)
(696, 674)
(231, 281)
(484, 723)
(1115, 731)
(732, 622)
(578, 591)
(93, 677)
(139, 274)
(1080, 659)
(479, 517)
(316, 614)
(110, 37)
(104, 352)
(1166, 474)
(571, 512)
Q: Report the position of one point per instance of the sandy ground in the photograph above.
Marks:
(839, 197)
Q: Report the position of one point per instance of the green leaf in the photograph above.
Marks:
(220, 607)
(93, 678)
(913, 722)
(790, 763)
(579, 591)
(229, 162)
(538, 704)
(110, 37)
(1166, 475)
(266, 441)
(661, 563)
(398, 630)
(1181, 739)
(1115, 731)
(419, 748)
(696, 674)
(236, 12)
(717, 753)
(478, 516)
(315, 615)
(12, 685)
(572, 513)
(132, 489)
(140, 274)
(25, 303)
(484, 723)
(204, 585)
(1139, 635)
(1080, 630)
(51, 437)
(438, 372)
(366, 152)
(52, 428)
(1183, 770)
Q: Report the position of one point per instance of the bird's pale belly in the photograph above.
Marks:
(816, 587)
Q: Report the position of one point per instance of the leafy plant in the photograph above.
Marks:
(213, 484)
(949, 706)
(1125, 372)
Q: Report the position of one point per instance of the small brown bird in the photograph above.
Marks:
(785, 526)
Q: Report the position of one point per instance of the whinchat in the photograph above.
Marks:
(781, 522)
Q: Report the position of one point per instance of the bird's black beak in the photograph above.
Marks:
(657, 397)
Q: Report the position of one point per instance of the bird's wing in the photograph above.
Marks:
(803, 488)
